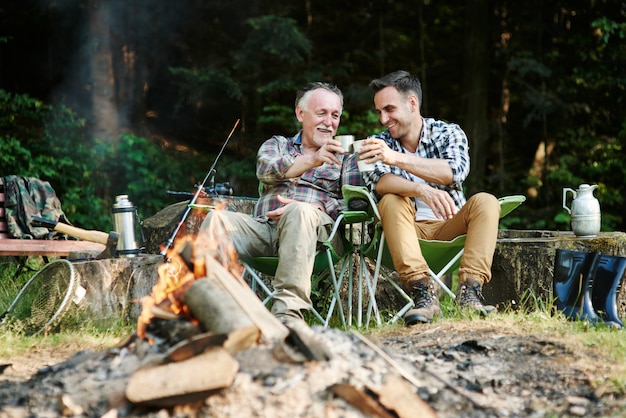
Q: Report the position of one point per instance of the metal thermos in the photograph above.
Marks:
(124, 216)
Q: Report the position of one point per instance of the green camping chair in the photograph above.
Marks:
(327, 261)
(443, 257)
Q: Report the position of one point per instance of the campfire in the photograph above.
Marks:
(205, 345)
(186, 264)
(201, 286)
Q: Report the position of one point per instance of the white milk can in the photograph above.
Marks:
(585, 210)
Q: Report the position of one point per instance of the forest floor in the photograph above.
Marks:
(467, 367)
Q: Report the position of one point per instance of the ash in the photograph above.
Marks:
(486, 372)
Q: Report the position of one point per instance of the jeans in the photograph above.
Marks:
(295, 239)
(478, 218)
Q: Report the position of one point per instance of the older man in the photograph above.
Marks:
(301, 197)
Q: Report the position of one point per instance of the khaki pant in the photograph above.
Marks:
(478, 218)
(295, 239)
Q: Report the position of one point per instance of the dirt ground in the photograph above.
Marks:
(469, 368)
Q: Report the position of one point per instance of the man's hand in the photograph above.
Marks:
(327, 153)
(314, 157)
(275, 214)
(375, 149)
(439, 201)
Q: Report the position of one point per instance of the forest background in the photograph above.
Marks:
(137, 97)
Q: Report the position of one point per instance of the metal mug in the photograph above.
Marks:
(346, 142)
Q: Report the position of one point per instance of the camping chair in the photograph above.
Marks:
(443, 257)
(324, 265)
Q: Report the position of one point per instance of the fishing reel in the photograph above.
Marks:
(214, 190)
(219, 190)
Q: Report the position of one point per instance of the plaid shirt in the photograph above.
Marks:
(321, 185)
(439, 140)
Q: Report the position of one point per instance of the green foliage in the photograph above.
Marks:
(273, 40)
(145, 171)
(279, 117)
(360, 124)
(46, 142)
(195, 85)
(555, 79)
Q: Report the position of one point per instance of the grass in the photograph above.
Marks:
(70, 340)
(76, 331)
(532, 315)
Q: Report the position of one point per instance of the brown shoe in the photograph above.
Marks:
(470, 296)
(426, 303)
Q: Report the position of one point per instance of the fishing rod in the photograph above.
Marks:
(210, 193)
(170, 241)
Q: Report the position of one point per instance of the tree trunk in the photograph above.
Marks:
(104, 120)
(476, 77)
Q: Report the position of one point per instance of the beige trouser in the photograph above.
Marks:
(478, 218)
(295, 239)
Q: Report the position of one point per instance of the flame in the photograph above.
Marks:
(183, 267)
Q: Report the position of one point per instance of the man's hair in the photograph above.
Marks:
(305, 91)
(403, 82)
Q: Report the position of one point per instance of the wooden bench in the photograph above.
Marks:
(40, 247)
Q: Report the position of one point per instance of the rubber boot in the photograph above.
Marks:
(606, 286)
(573, 280)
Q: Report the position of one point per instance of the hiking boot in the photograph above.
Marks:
(426, 303)
(470, 296)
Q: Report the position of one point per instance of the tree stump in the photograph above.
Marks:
(115, 286)
(158, 229)
(523, 263)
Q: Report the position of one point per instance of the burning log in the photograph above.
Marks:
(186, 264)
(213, 307)
(271, 328)
(202, 282)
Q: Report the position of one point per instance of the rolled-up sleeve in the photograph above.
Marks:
(439, 139)
(455, 150)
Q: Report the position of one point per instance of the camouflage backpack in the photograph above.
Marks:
(26, 197)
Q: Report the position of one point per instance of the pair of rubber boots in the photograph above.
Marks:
(586, 285)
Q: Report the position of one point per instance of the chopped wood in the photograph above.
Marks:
(237, 340)
(161, 313)
(242, 339)
(194, 346)
(396, 395)
(271, 328)
(214, 307)
(185, 381)
(361, 401)
(304, 341)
